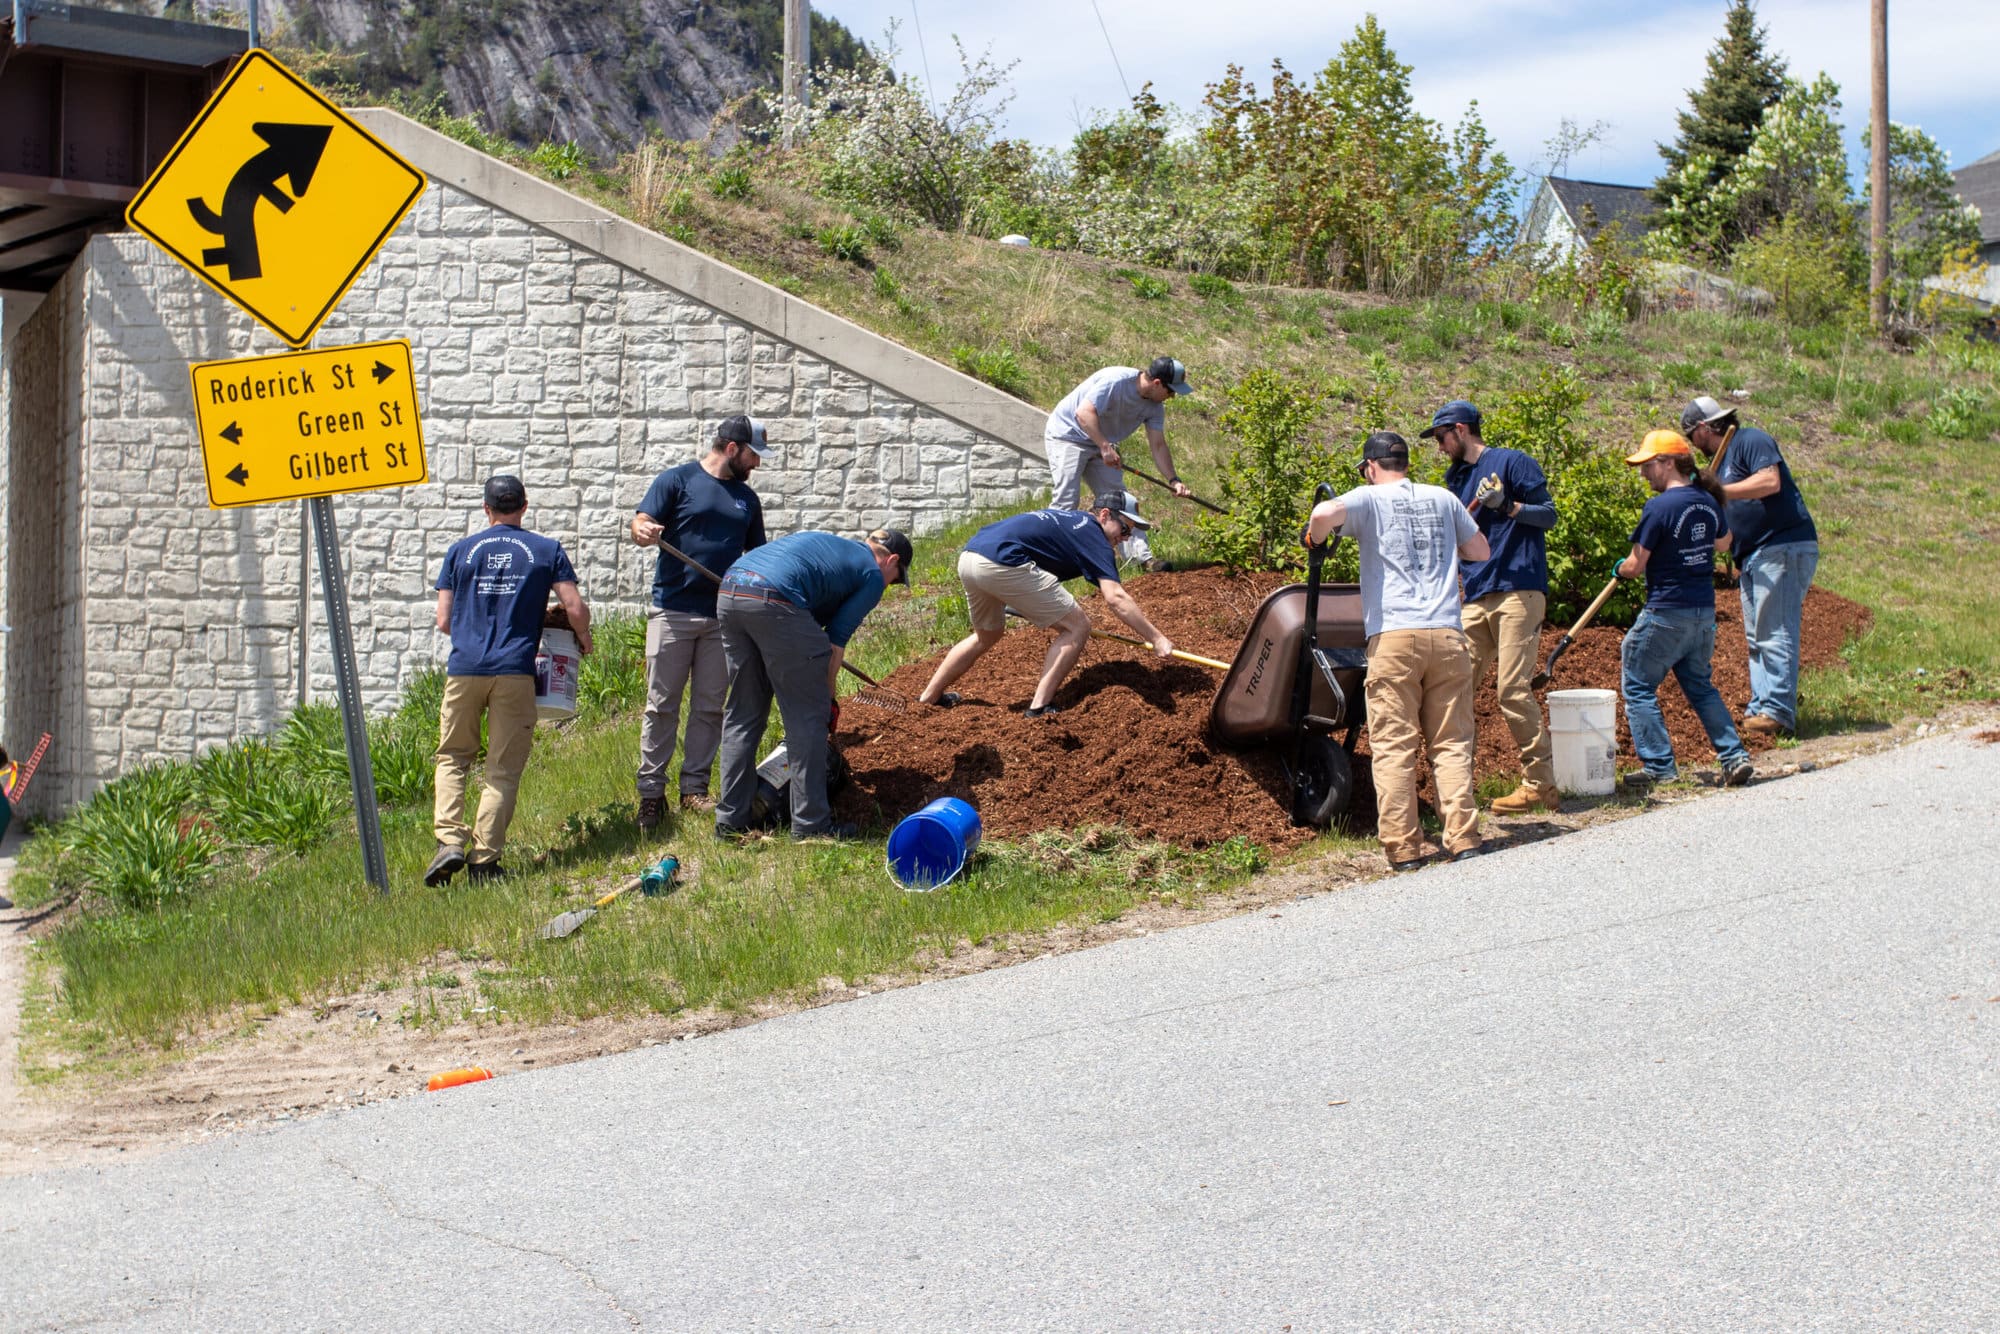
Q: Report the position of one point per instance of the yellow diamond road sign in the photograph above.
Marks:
(276, 199)
(308, 423)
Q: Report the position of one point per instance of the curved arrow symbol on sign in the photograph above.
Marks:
(294, 153)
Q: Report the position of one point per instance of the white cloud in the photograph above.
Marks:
(1528, 62)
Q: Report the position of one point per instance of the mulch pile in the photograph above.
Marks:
(1130, 746)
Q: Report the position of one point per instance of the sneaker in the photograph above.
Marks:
(1739, 773)
(1762, 724)
(1046, 711)
(1412, 864)
(652, 810)
(1158, 566)
(950, 699)
(1638, 783)
(1527, 798)
(448, 863)
(838, 832)
(697, 801)
(485, 872)
(1467, 854)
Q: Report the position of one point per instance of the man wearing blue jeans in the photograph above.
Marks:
(1777, 550)
(1674, 548)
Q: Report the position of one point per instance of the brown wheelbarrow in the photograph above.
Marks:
(1294, 683)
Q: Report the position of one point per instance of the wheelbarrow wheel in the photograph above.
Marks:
(1323, 783)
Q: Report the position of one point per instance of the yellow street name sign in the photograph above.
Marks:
(275, 198)
(316, 423)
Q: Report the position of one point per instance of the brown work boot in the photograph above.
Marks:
(697, 801)
(652, 810)
(1527, 799)
(1760, 724)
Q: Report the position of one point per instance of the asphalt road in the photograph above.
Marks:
(1729, 1065)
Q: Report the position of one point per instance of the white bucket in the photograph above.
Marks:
(555, 674)
(1583, 725)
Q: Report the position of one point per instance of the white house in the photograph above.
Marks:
(1567, 214)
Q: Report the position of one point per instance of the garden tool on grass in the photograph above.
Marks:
(570, 921)
(1541, 678)
(1167, 486)
(876, 693)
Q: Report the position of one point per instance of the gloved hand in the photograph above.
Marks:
(833, 719)
(1492, 492)
(1618, 570)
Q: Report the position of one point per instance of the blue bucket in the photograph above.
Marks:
(930, 848)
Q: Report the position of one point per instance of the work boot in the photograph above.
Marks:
(1738, 774)
(1638, 783)
(1046, 711)
(5, 903)
(652, 810)
(697, 801)
(483, 873)
(1528, 798)
(1762, 724)
(448, 863)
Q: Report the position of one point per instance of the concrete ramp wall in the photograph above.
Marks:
(551, 338)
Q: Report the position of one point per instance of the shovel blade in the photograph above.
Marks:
(568, 922)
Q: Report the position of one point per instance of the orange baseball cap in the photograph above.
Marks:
(1659, 444)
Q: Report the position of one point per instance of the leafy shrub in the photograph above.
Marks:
(1956, 412)
(132, 842)
(1810, 280)
(254, 798)
(996, 365)
(1598, 498)
(1267, 484)
(843, 243)
(730, 181)
(1151, 288)
(559, 161)
(881, 231)
(1212, 286)
(886, 285)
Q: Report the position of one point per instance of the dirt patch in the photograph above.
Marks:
(1990, 737)
(1131, 745)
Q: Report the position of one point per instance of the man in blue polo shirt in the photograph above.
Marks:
(1777, 550)
(1506, 595)
(787, 611)
(491, 596)
(705, 509)
(1021, 563)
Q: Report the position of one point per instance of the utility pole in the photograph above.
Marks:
(1878, 167)
(798, 56)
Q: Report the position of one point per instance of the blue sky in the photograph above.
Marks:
(1528, 62)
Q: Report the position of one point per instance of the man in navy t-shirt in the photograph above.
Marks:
(1506, 595)
(1021, 563)
(1777, 550)
(1674, 548)
(492, 594)
(706, 510)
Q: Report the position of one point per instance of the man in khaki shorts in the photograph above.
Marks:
(1021, 563)
(1412, 538)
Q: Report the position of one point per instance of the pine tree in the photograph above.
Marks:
(1722, 115)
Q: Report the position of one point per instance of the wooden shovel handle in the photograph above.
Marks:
(1195, 658)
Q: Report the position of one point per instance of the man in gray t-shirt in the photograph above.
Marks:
(1083, 434)
(1419, 690)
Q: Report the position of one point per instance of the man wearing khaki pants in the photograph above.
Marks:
(492, 594)
(1507, 594)
(1419, 690)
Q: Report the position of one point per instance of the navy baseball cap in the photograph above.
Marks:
(1385, 445)
(743, 431)
(896, 544)
(1455, 413)
(1171, 374)
(505, 494)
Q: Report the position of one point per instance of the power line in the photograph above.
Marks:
(1107, 42)
(930, 89)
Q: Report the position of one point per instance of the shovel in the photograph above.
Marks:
(877, 694)
(1195, 658)
(570, 921)
(1165, 485)
(1541, 678)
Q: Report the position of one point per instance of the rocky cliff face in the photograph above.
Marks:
(600, 73)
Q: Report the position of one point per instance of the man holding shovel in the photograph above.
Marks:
(1083, 434)
(1776, 548)
(787, 611)
(705, 509)
(1022, 563)
(1506, 595)
(1419, 688)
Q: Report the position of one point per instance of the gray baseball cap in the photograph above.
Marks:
(1703, 409)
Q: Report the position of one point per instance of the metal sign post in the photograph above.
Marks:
(360, 768)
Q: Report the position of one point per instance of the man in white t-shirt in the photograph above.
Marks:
(1419, 690)
(1083, 434)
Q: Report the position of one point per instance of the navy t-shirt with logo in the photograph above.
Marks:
(1520, 559)
(712, 521)
(1679, 528)
(1069, 544)
(1779, 517)
(500, 581)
